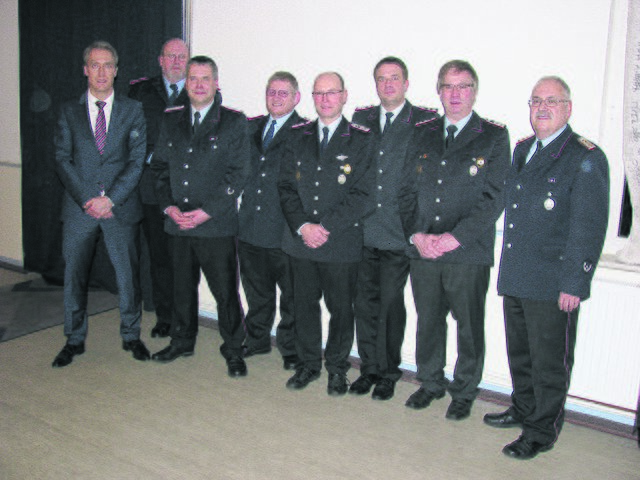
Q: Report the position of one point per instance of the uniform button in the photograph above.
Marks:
(262, 159)
(511, 225)
(190, 150)
(381, 152)
(508, 245)
(185, 183)
(518, 187)
(315, 198)
(443, 162)
(515, 205)
(263, 174)
(185, 166)
(258, 208)
(185, 200)
(379, 187)
(379, 205)
(315, 212)
(319, 168)
(259, 191)
(439, 181)
(437, 218)
(317, 183)
(298, 163)
(437, 200)
(380, 171)
(170, 144)
(215, 147)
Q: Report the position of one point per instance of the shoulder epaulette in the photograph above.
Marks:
(302, 124)
(251, 119)
(360, 127)
(493, 122)
(424, 122)
(138, 80)
(427, 109)
(231, 109)
(586, 143)
(524, 139)
(360, 109)
(177, 108)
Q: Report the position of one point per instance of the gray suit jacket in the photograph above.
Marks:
(85, 173)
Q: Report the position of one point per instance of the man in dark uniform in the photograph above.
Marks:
(201, 160)
(455, 173)
(325, 185)
(556, 213)
(156, 94)
(263, 264)
(379, 308)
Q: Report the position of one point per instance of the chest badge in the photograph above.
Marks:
(342, 158)
(473, 170)
(346, 168)
(342, 178)
(549, 204)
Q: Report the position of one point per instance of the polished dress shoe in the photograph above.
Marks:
(384, 389)
(303, 377)
(502, 420)
(250, 352)
(137, 348)
(338, 384)
(523, 449)
(236, 367)
(459, 409)
(170, 353)
(364, 383)
(65, 357)
(290, 362)
(422, 399)
(161, 330)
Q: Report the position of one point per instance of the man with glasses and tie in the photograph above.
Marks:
(156, 94)
(379, 307)
(325, 191)
(556, 213)
(264, 267)
(100, 143)
(449, 204)
(201, 160)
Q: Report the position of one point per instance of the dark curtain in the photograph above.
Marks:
(53, 35)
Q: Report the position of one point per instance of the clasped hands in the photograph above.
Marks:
(187, 220)
(314, 235)
(99, 207)
(434, 246)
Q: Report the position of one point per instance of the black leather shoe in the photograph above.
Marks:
(303, 377)
(250, 352)
(170, 353)
(363, 384)
(384, 389)
(290, 362)
(65, 357)
(236, 367)
(161, 330)
(523, 449)
(422, 399)
(459, 409)
(338, 384)
(501, 420)
(137, 348)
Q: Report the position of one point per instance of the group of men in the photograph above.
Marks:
(341, 211)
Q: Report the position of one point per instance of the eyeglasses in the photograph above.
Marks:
(173, 57)
(331, 94)
(392, 78)
(550, 102)
(461, 87)
(280, 93)
(109, 67)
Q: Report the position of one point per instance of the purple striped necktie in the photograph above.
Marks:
(101, 127)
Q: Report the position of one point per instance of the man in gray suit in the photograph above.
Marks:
(100, 145)
(382, 274)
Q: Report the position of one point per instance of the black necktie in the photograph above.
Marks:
(325, 139)
(196, 121)
(387, 123)
(101, 127)
(451, 130)
(524, 161)
(174, 93)
(269, 136)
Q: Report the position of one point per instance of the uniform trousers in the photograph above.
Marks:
(380, 311)
(337, 283)
(460, 289)
(216, 256)
(79, 239)
(262, 271)
(161, 266)
(541, 340)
